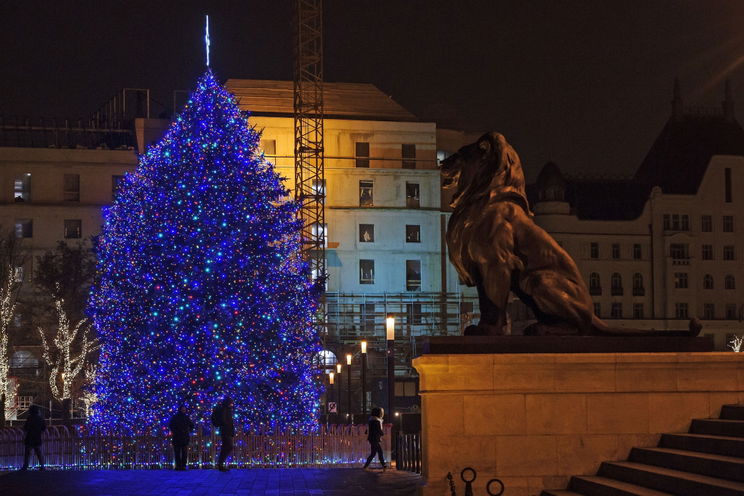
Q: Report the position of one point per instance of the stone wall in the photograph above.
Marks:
(533, 420)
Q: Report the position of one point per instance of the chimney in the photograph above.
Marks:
(728, 102)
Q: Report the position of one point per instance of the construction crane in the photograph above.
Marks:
(310, 187)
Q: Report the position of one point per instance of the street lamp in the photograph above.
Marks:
(390, 334)
(348, 389)
(330, 390)
(364, 379)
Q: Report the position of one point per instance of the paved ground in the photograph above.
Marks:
(258, 482)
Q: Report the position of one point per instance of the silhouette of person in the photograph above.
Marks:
(374, 435)
(222, 417)
(34, 426)
(181, 426)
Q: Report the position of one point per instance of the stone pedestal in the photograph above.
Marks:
(533, 420)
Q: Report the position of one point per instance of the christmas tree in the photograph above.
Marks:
(201, 290)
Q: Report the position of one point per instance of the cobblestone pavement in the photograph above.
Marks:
(258, 482)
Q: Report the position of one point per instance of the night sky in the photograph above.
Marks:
(586, 84)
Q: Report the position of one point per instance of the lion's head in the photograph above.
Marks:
(488, 166)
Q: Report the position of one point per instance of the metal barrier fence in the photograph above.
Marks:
(408, 455)
(67, 448)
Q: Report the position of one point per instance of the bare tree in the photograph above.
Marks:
(68, 355)
(12, 258)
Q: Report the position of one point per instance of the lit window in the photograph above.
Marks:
(319, 187)
(268, 146)
(73, 228)
(22, 188)
(366, 194)
(24, 228)
(366, 271)
(320, 234)
(366, 233)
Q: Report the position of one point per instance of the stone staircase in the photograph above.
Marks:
(708, 461)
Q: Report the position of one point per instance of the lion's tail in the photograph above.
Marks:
(600, 327)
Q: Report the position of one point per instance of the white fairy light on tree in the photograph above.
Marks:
(65, 364)
(89, 396)
(7, 310)
(737, 343)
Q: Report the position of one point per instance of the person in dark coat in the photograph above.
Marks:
(223, 419)
(34, 426)
(374, 436)
(181, 426)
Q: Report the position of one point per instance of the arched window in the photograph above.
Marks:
(729, 282)
(595, 284)
(638, 284)
(616, 284)
(707, 281)
(326, 359)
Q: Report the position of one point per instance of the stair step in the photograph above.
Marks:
(719, 445)
(732, 412)
(724, 467)
(602, 486)
(673, 481)
(718, 427)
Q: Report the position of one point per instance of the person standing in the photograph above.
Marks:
(33, 427)
(222, 417)
(181, 426)
(374, 436)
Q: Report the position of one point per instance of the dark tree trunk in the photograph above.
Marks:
(66, 410)
(2, 410)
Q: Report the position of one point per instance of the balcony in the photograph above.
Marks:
(616, 292)
(639, 292)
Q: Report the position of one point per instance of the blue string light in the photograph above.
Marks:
(201, 291)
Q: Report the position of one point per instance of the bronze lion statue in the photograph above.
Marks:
(496, 246)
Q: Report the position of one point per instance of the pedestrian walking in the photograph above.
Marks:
(374, 436)
(33, 427)
(222, 417)
(181, 426)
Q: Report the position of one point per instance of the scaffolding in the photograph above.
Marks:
(308, 134)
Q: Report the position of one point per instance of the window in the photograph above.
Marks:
(707, 252)
(616, 311)
(366, 193)
(728, 223)
(706, 223)
(366, 271)
(637, 252)
(594, 250)
(709, 311)
(413, 313)
(616, 284)
(361, 153)
(729, 282)
(268, 146)
(675, 222)
(413, 233)
(638, 284)
(679, 251)
(318, 187)
(366, 233)
(22, 188)
(727, 184)
(731, 313)
(408, 152)
(413, 275)
(595, 286)
(680, 310)
(637, 310)
(598, 309)
(707, 281)
(412, 195)
(18, 275)
(728, 252)
(72, 187)
(680, 280)
(24, 228)
(405, 389)
(320, 233)
(667, 222)
(368, 318)
(684, 223)
(116, 183)
(73, 228)
(615, 251)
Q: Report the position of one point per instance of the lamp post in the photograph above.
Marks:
(364, 379)
(330, 390)
(390, 335)
(350, 418)
(338, 407)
